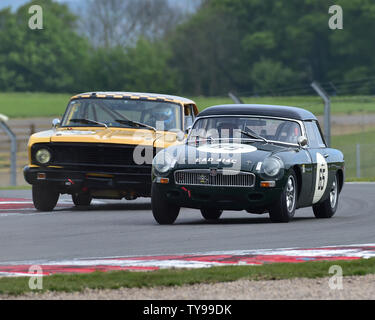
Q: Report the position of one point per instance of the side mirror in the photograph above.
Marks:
(302, 141)
(55, 123)
(188, 129)
(180, 136)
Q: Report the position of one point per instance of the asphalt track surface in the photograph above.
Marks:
(127, 228)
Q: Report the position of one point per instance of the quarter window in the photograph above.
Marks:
(313, 135)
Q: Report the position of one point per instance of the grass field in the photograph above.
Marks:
(347, 144)
(28, 105)
(179, 277)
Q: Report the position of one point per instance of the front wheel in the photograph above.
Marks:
(327, 208)
(81, 199)
(284, 208)
(44, 197)
(162, 210)
(211, 214)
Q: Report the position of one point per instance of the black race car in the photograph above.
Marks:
(258, 158)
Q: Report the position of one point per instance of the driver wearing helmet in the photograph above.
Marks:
(164, 114)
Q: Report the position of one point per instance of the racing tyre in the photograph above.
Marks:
(81, 199)
(284, 208)
(162, 210)
(211, 214)
(327, 208)
(44, 197)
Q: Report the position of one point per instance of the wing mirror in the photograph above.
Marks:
(55, 123)
(302, 141)
(180, 136)
(188, 129)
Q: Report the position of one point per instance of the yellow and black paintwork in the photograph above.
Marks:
(104, 176)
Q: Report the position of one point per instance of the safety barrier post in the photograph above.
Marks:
(327, 111)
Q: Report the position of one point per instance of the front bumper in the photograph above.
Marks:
(225, 198)
(73, 181)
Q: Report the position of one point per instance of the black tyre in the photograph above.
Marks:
(211, 214)
(81, 199)
(284, 208)
(44, 197)
(163, 211)
(327, 208)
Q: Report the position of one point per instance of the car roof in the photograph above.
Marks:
(259, 110)
(135, 96)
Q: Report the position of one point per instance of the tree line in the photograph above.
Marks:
(250, 46)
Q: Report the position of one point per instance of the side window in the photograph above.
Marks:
(319, 135)
(313, 135)
(189, 116)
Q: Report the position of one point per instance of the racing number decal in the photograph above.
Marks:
(321, 177)
(227, 148)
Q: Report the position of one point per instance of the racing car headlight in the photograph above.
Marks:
(163, 162)
(272, 166)
(43, 156)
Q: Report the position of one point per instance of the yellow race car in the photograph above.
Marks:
(104, 145)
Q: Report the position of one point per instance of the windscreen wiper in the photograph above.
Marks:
(135, 124)
(88, 121)
(252, 134)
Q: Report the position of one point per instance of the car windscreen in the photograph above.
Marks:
(234, 127)
(118, 112)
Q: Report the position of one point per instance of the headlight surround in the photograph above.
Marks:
(43, 156)
(272, 166)
(163, 162)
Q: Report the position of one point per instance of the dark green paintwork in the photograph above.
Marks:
(296, 158)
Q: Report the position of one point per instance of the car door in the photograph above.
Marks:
(321, 162)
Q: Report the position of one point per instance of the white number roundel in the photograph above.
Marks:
(321, 177)
(227, 148)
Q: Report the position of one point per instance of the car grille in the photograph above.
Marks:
(108, 157)
(214, 177)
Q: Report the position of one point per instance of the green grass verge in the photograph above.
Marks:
(178, 277)
(29, 105)
(347, 144)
